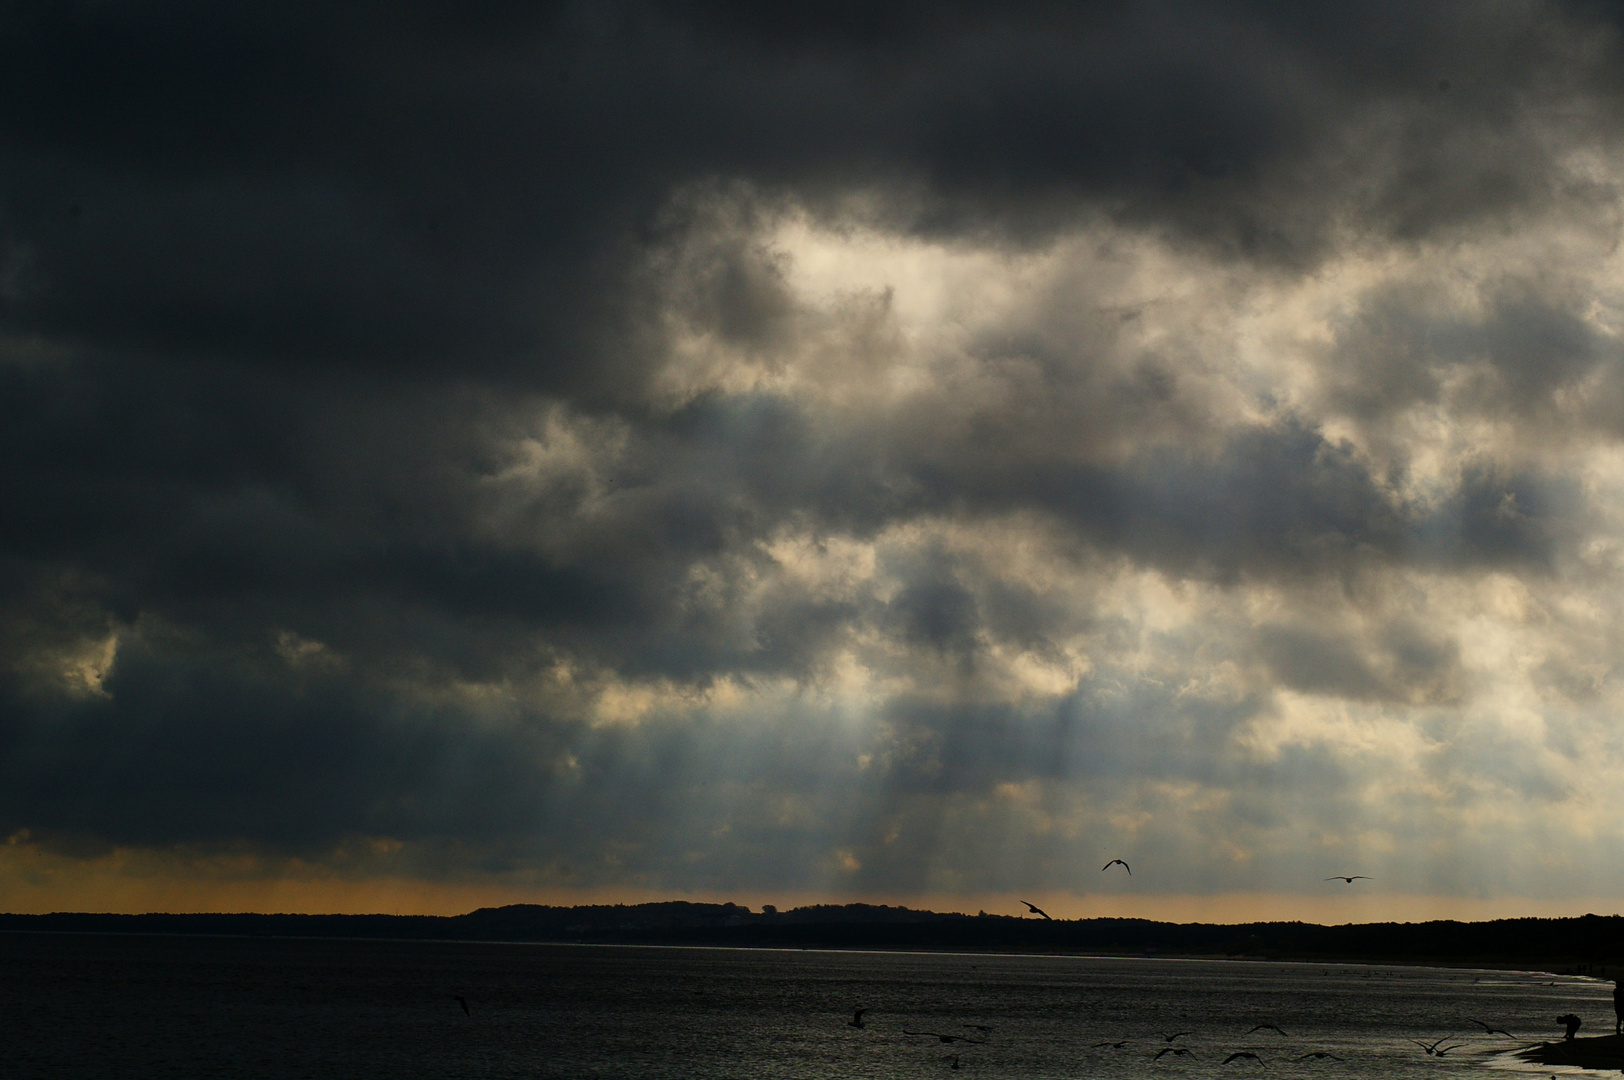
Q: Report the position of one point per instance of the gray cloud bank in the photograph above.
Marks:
(913, 448)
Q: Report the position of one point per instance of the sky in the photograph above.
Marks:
(476, 453)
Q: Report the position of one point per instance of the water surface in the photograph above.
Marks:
(76, 1006)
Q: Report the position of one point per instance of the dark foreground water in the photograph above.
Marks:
(95, 1006)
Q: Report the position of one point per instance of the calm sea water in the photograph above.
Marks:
(91, 1006)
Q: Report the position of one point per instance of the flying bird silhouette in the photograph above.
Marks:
(1243, 1055)
(1269, 1027)
(459, 999)
(1318, 1054)
(1112, 1045)
(1117, 862)
(856, 1020)
(1176, 1051)
(1487, 1030)
(1432, 1047)
(1035, 910)
(1175, 1035)
(947, 1038)
(1349, 878)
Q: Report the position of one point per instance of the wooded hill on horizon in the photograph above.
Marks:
(1586, 944)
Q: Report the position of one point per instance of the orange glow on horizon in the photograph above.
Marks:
(34, 882)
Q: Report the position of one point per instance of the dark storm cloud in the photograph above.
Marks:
(1520, 350)
(217, 488)
(197, 747)
(236, 530)
(1401, 664)
(1281, 500)
(320, 185)
(281, 288)
(1269, 500)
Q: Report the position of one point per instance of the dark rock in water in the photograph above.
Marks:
(1601, 1052)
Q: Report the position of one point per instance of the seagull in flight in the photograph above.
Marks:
(1319, 1054)
(1176, 1051)
(459, 999)
(1035, 910)
(947, 1038)
(1432, 1047)
(1270, 1027)
(1112, 1045)
(1349, 878)
(1117, 862)
(856, 1020)
(1175, 1035)
(1487, 1030)
(1242, 1055)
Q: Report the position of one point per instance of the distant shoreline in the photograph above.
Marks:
(1586, 945)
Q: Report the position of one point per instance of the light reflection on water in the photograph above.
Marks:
(93, 1006)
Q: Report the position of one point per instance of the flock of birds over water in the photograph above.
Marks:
(1033, 909)
(1436, 1048)
(1172, 1047)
